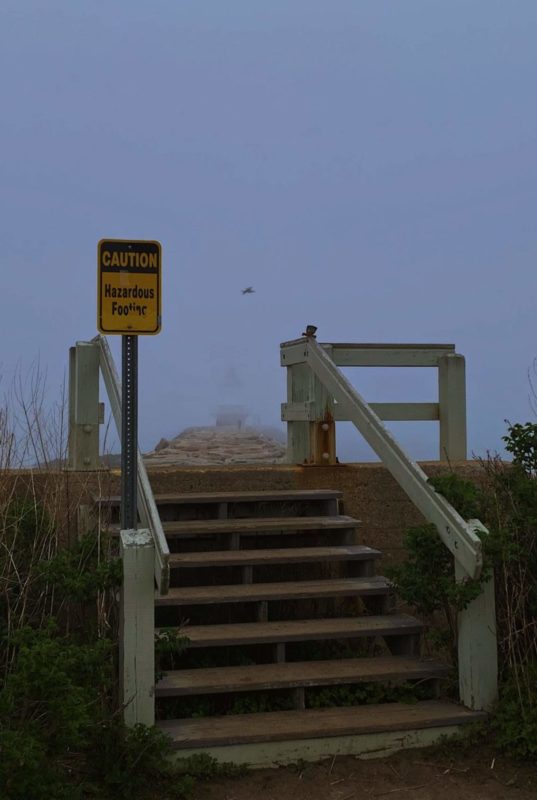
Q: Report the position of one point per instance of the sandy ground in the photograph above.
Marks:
(416, 774)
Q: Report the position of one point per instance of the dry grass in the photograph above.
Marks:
(512, 516)
(39, 502)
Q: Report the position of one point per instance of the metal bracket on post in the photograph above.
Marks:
(323, 428)
(84, 407)
(452, 407)
(323, 441)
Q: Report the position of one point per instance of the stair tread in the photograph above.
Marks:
(251, 592)
(245, 525)
(176, 498)
(253, 525)
(303, 630)
(314, 723)
(258, 677)
(273, 556)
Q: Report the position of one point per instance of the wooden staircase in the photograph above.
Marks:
(282, 607)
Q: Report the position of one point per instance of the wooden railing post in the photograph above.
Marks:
(298, 433)
(310, 440)
(478, 648)
(84, 408)
(137, 628)
(452, 407)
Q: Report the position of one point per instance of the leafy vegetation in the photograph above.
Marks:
(369, 694)
(505, 500)
(426, 580)
(170, 645)
(61, 734)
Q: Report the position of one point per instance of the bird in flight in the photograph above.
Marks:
(248, 290)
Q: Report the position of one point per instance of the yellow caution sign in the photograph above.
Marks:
(129, 287)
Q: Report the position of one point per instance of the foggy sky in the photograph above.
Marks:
(368, 166)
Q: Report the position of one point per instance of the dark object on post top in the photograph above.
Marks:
(310, 331)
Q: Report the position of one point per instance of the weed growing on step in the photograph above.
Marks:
(222, 705)
(371, 693)
(328, 650)
(189, 707)
(170, 645)
(261, 702)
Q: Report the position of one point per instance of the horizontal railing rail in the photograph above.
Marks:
(375, 355)
(390, 412)
(147, 508)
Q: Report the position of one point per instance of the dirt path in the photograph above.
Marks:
(413, 775)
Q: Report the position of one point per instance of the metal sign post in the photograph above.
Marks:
(129, 304)
(129, 432)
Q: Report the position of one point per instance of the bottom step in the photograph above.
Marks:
(285, 736)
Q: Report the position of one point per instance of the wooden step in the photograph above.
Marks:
(258, 525)
(233, 497)
(314, 723)
(253, 526)
(289, 555)
(256, 592)
(259, 677)
(303, 630)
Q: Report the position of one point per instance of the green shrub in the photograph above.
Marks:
(463, 495)
(125, 762)
(515, 722)
(204, 767)
(78, 574)
(505, 500)
(426, 580)
(521, 442)
(23, 520)
(25, 769)
(50, 702)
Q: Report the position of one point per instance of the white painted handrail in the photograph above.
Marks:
(147, 508)
(457, 534)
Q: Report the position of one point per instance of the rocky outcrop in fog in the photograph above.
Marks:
(218, 445)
